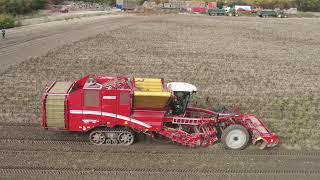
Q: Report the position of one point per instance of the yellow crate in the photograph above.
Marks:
(147, 100)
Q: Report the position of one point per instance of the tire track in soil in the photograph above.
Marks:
(35, 41)
(217, 153)
(34, 134)
(39, 39)
(31, 145)
(105, 171)
(24, 39)
(18, 151)
(38, 32)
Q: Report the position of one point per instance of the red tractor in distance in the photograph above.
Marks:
(113, 109)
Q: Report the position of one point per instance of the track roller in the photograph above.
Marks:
(97, 137)
(112, 136)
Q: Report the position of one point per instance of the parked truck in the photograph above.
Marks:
(222, 12)
(272, 13)
(113, 109)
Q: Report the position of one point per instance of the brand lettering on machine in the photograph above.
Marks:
(87, 121)
(109, 97)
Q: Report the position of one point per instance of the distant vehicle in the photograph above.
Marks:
(243, 9)
(199, 10)
(126, 4)
(272, 13)
(222, 12)
(60, 9)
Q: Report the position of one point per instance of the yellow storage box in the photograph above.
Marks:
(150, 94)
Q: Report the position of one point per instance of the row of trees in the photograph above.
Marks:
(15, 7)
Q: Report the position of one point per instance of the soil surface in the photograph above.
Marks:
(28, 151)
(35, 40)
(270, 66)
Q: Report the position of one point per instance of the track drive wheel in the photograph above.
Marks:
(126, 138)
(235, 137)
(97, 137)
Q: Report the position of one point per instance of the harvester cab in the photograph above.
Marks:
(182, 94)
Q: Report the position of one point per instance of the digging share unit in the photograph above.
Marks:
(112, 109)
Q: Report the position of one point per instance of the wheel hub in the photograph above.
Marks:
(98, 138)
(126, 138)
(235, 139)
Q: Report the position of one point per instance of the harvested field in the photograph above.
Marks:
(269, 67)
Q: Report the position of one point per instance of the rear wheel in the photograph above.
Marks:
(235, 137)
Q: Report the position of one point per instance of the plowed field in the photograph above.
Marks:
(269, 67)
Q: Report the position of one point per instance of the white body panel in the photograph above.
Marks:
(181, 86)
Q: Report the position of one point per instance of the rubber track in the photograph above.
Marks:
(105, 171)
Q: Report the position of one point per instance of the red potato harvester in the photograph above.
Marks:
(113, 109)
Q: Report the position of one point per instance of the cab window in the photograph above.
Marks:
(91, 98)
(124, 98)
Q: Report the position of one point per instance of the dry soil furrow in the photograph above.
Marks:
(40, 38)
(27, 34)
(281, 155)
(164, 172)
(78, 146)
(36, 138)
(43, 40)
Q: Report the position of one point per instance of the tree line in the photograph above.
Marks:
(16, 7)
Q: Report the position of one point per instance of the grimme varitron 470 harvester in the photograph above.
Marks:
(113, 109)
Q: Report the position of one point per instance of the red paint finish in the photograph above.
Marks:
(199, 10)
(212, 5)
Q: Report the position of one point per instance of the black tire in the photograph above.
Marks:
(235, 137)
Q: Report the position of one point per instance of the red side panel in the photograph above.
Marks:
(75, 110)
(109, 107)
(151, 118)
